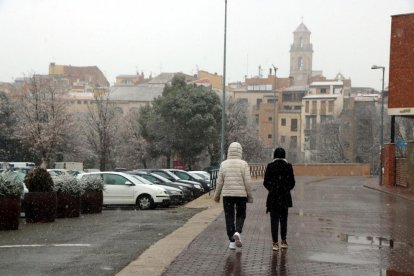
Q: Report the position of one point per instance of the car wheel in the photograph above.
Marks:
(145, 202)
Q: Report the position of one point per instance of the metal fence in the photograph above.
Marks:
(257, 170)
(213, 179)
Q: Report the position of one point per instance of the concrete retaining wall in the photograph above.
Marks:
(319, 169)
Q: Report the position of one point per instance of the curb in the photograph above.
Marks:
(160, 255)
(408, 196)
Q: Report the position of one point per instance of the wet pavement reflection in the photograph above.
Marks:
(278, 266)
(336, 227)
(233, 264)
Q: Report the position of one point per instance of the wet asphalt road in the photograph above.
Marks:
(336, 227)
(93, 244)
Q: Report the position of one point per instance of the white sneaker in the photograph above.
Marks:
(232, 245)
(237, 238)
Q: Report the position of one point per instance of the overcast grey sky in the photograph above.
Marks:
(123, 36)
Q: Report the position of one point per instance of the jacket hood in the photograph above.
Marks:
(235, 151)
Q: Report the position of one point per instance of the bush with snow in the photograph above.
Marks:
(92, 183)
(67, 184)
(10, 185)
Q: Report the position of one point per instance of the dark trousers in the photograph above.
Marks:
(277, 216)
(234, 208)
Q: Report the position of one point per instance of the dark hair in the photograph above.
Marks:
(279, 153)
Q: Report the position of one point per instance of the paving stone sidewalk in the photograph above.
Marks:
(336, 227)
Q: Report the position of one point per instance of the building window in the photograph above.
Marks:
(287, 97)
(283, 122)
(298, 107)
(300, 64)
(314, 111)
(293, 142)
(331, 106)
(294, 125)
(282, 139)
(312, 143)
(323, 107)
(270, 119)
(310, 121)
(325, 118)
(269, 136)
(258, 102)
(307, 106)
(242, 101)
(79, 102)
(323, 90)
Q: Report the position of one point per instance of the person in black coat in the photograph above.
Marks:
(279, 180)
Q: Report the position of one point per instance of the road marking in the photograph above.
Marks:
(44, 245)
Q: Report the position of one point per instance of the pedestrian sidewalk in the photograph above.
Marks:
(336, 227)
(160, 255)
(393, 190)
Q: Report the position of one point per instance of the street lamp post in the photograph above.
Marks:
(223, 111)
(382, 118)
(274, 113)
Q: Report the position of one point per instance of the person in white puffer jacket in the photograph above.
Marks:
(233, 183)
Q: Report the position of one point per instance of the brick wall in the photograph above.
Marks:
(343, 169)
(389, 165)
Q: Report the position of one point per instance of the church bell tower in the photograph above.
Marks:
(301, 52)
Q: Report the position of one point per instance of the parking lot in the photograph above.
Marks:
(93, 244)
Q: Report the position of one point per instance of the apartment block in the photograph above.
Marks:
(324, 101)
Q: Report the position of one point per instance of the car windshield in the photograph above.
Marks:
(142, 180)
(160, 177)
(196, 176)
(54, 173)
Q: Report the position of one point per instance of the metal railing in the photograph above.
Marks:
(213, 179)
(257, 170)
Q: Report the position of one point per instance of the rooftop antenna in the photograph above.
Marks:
(247, 65)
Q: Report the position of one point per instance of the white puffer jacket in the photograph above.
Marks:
(234, 175)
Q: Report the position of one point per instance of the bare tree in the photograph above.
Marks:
(100, 128)
(42, 117)
(330, 142)
(131, 147)
(239, 129)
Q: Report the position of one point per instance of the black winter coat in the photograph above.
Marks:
(279, 180)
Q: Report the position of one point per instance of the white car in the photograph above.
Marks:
(176, 195)
(124, 189)
(205, 175)
(57, 172)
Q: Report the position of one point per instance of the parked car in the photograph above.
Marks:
(74, 172)
(124, 189)
(203, 174)
(57, 172)
(160, 180)
(186, 176)
(176, 195)
(196, 187)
